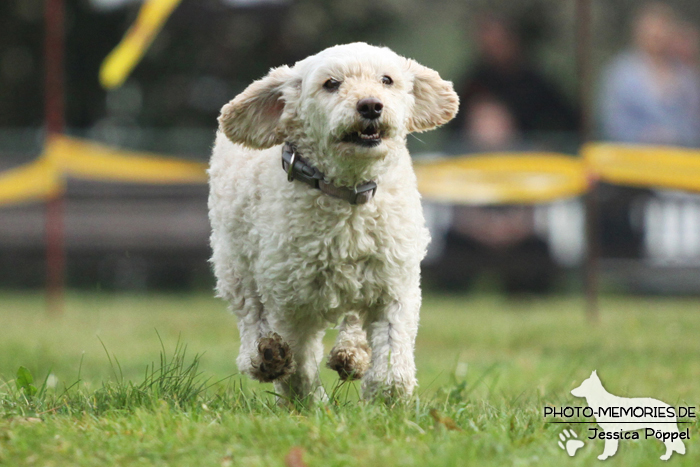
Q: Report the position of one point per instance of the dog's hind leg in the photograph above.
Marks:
(392, 335)
(351, 354)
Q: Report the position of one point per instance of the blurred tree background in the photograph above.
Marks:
(209, 51)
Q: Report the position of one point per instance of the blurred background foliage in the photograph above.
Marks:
(138, 237)
(210, 50)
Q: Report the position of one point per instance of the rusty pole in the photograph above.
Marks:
(584, 50)
(54, 110)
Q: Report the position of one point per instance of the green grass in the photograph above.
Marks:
(150, 380)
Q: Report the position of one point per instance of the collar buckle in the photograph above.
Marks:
(364, 193)
(290, 168)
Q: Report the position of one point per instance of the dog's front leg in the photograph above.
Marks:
(304, 384)
(262, 355)
(392, 335)
(350, 356)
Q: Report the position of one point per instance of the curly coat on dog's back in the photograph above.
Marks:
(292, 260)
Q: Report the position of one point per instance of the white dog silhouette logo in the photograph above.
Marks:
(618, 415)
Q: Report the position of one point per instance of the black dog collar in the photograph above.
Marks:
(298, 169)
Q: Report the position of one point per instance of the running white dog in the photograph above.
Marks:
(611, 413)
(316, 216)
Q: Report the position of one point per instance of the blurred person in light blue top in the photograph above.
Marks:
(649, 95)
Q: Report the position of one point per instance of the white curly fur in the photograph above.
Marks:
(292, 260)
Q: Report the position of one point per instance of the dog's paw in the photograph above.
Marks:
(274, 361)
(350, 362)
(386, 393)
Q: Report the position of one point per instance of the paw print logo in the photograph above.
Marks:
(569, 443)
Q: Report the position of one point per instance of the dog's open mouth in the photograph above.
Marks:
(369, 137)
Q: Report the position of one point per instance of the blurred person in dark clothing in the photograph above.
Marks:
(504, 101)
(503, 72)
(498, 241)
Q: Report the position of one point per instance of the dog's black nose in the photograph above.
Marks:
(370, 107)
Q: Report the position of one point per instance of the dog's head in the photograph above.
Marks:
(588, 387)
(352, 100)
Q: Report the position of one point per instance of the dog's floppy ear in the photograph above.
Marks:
(436, 102)
(253, 117)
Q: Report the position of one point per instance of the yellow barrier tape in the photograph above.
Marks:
(645, 166)
(35, 181)
(84, 159)
(119, 63)
(502, 178)
(64, 155)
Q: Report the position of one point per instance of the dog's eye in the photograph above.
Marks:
(387, 80)
(331, 84)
